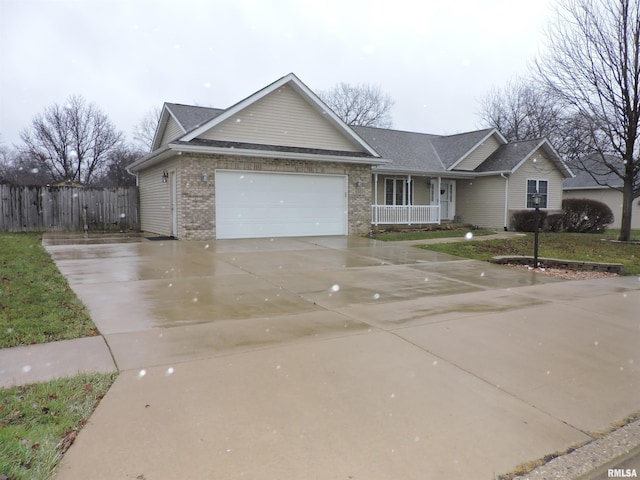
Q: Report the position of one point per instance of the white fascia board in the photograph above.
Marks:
(162, 125)
(231, 111)
(555, 158)
(443, 174)
(324, 109)
(277, 154)
(470, 151)
(151, 159)
(311, 97)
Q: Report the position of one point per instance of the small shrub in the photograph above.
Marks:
(583, 215)
(525, 220)
(555, 222)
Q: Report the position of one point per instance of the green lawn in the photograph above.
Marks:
(430, 234)
(38, 422)
(36, 303)
(567, 246)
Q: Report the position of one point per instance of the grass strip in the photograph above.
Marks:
(429, 234)
(36, 303)
(39, 422)
(567, 246)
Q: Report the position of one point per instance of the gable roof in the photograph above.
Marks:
(191, 117)
(453, 149)
(191, 121)
(408, 151)
(585, 180)
(306, 94)
(388, 150)
(422, 153)
(187, 117)
(508, 158)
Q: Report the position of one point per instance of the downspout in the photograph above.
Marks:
(506, 200)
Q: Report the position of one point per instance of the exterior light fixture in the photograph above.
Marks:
(205, 177)
(536, 197)
(165, 176)
(358, 183)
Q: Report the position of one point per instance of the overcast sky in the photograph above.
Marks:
(436, 58)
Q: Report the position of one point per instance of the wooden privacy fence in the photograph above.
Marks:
(35, 209)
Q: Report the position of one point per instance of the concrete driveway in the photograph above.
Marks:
(343, 358)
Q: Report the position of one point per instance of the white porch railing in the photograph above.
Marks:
(405, 214)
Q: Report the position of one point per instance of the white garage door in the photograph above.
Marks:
(261, 204)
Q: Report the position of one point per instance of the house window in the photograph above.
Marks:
(540, 186)
(397, 192)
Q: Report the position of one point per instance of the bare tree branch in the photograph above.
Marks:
(593, 69)
(71, 142)
(145, 130)
(363, 105)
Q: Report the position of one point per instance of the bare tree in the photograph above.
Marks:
(593, 69)
(145, 130)
(115, 174)
(72, 141)
(520, 111)
(524, 110)
(363, 104)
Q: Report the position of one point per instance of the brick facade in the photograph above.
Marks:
(196, 215)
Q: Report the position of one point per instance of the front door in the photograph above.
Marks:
(447, 199)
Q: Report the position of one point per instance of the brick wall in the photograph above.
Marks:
(196, 217)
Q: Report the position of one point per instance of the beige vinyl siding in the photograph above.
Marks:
(541, 169)
(282, 118)
(171, 131)
(421, 190)
(480, 154)
(480, 201)
(613, 199)
(155, 211)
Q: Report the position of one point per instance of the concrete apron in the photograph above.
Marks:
(343, 358)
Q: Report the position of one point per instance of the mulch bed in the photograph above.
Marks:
(566, 273)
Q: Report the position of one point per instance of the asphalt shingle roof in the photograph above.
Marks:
(451, 148)
(506, 157)
(583, 179)
(408, 151)
(191, 117)
(419, 152)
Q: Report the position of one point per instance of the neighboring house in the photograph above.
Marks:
(584, 185)
(281, 163)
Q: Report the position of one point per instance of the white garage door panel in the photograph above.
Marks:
(259, 204)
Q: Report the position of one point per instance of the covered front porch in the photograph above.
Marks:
(412, 199)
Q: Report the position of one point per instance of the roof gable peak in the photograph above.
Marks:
(301, 89)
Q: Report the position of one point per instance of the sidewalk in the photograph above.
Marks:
(47, 361)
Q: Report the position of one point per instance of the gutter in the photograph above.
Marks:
(278, 154)
(172, 149)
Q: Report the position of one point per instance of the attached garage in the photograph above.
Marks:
(252, 204)
(277, 164)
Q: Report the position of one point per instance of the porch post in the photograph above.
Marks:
(438, 196)
(375, 189)
(409, 200)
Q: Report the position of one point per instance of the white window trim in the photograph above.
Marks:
(526, 191)
(406, 185)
